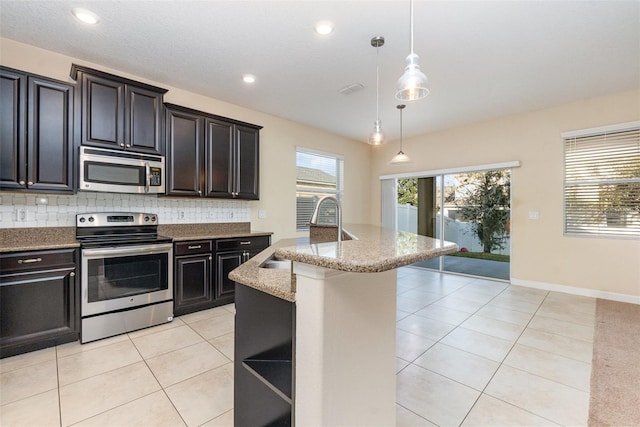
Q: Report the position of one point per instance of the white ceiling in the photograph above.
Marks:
(483, 59)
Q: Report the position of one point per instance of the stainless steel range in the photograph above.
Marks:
(126, 273)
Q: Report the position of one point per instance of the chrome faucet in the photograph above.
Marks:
(314, 217)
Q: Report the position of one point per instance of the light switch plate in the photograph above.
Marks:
(534, 215)
(262, 214)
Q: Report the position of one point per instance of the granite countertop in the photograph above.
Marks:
(43, 238)
(182, 232)
(372, 250)
(33, 239)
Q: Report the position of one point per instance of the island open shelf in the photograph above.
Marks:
(315, 339)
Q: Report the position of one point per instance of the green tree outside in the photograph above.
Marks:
(484, 199)
(408, 191)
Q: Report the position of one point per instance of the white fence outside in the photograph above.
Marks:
(454, 231)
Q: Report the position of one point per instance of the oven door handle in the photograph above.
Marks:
(113, 251)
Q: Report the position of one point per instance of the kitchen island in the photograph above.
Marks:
(315, 341)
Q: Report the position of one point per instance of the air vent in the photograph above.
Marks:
(349, 89)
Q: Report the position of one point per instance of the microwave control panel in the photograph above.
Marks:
(155, 177)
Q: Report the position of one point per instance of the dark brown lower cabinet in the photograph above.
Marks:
(263, 359)
(38, 300)
(230, 253)
(193, 289)
(202, 270)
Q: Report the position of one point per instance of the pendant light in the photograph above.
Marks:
(400, 157)
(377, 135)
(412, 85)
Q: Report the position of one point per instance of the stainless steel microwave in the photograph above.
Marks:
(117, 171)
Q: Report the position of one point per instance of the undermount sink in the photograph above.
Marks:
(277, 263)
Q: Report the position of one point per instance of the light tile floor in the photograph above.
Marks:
(470, 352)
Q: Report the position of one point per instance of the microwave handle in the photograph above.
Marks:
(147, 181)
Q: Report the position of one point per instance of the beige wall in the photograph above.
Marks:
(540, 252)
(278, 140)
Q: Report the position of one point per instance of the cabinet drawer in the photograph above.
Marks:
(193, 247)
(257, 242)
(36, 260)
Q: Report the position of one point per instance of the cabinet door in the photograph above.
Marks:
(23, 328)
(143, 122)
(247, 163)
(220, 169)
(185, 154)
(225, 262)
(13, 101)
(50, 140)
(103, 103)
(193, 285)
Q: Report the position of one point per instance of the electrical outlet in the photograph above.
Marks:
(21, 215)
(231, 214)
(534, 215)
(181, 214)
(262, 214)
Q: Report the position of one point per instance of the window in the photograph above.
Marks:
(317, 175)
(602, 181)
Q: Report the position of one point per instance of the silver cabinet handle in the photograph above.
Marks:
(121, 145)
(128, 145)
(29, 183)
(21, 182)
(29, 260)
(72, 274)
(194, 247)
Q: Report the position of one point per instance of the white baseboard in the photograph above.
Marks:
(632, 299)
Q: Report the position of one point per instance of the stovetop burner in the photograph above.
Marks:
(117, 228)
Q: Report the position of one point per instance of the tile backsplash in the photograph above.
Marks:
(50, 210)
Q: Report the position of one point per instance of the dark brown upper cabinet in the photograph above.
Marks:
(232, 160)
(119, 113)
(37, 133)
(211, 156)
(185, 151)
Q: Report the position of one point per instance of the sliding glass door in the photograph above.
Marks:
(471, 209)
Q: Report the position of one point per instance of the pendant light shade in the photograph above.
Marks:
(400, 157)
(413, 84)
(377, 135)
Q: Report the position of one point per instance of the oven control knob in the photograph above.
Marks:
(91, 219)
(154, 218)
(82, 219)
(146, 219)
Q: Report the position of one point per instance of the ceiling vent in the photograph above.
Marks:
(349, 89)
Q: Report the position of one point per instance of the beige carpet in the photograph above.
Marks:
(615, 372)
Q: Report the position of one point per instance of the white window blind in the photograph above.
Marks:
(317, 175)
(602, 183)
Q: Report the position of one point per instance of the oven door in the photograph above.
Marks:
(122, 277)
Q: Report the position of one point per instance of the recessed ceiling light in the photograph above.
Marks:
(248, 78)
(323, 28)
(86, 16)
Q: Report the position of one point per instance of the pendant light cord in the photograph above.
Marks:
(377, 84)
(411, 24)
(401, 131)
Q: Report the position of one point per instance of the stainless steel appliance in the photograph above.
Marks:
(126, 273)
(116, 171)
